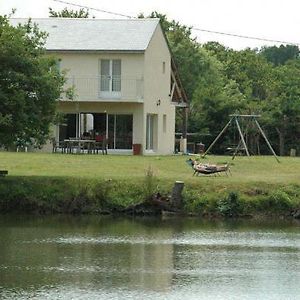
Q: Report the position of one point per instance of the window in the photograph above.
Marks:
(164, 123)
(110, 78)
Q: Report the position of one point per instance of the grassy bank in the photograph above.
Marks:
(56, 183)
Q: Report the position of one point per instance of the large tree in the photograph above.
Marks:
(282, 110)
(280, 55)
(30, 84)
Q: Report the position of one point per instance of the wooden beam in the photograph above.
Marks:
(266, 139)
(220, 134)
(172, 91)
(241, 135)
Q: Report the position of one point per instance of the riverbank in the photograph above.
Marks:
(56, 183)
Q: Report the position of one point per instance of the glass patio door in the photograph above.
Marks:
(120, 131)
(110, 78)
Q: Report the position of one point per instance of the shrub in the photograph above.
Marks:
(150, 184)
(277, 201)
(230, 205)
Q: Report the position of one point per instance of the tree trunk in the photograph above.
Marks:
(281, 135)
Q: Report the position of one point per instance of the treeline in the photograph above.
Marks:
(220, 81)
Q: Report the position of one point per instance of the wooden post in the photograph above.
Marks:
(266, 139)
(241, 135)
(184, 130)
(176, 198)
(236, 150)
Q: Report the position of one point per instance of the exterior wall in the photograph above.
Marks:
(156, 93)
(83, 70)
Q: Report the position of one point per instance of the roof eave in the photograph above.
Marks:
(94, 50)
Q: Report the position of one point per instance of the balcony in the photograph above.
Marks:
(106, 88)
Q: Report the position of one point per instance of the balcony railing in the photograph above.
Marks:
(106, 88)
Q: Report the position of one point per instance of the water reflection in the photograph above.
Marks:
(112, 258)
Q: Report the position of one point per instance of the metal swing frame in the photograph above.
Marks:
(235, 119)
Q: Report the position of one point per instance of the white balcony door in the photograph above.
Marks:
(110, 78)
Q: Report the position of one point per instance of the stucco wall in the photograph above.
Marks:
(157, 91)
(83, 70)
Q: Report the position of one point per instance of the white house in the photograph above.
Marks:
(125, 82)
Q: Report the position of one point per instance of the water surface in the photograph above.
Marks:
(94, 257)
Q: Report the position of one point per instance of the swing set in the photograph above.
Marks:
(242, 145)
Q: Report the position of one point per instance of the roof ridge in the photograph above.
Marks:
(87, 19)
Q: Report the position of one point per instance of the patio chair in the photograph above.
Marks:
(100, 144)
(58, 145)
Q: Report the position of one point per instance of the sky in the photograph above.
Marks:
(268, 19)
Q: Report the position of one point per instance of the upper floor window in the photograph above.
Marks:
(110, 74)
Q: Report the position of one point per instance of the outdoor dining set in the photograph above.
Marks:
(81, 145)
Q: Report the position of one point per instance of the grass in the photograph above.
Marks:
(75, 183)
(262, 169)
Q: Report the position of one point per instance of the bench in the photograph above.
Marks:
(3, 173)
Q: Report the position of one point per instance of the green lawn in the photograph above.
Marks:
(40, 182)
(264, 169)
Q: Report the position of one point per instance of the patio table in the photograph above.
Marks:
(79, 144)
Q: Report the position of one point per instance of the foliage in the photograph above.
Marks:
(280, 55)
(230, 205)
(69, 13)
(282, 110)
(150, 185)
(29, 85)
(214, 98)
(278, 201)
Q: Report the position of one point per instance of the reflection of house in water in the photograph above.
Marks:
(152, 264)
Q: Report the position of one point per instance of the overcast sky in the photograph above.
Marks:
(270, 19)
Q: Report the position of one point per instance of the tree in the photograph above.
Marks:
(282, 110)
(280, 55)
(214, 99)
(30, 84)
(69, 13)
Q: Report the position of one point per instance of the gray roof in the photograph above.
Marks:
(95, 34)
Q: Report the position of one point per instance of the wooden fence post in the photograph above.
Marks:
(176, 198)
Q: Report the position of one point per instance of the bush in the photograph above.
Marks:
(230, 205)
(277, 201)
(150, 184)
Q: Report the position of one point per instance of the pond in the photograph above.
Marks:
(97, 257)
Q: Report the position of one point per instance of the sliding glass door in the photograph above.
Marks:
(120, 131)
